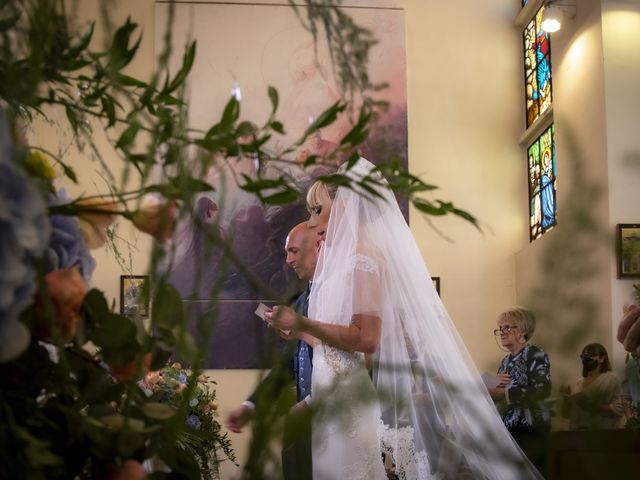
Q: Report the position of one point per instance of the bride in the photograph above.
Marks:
(391, 377)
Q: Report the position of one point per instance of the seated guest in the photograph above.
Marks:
(593, 401)
(525, 383)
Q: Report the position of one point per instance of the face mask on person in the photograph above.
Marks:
(589, 363)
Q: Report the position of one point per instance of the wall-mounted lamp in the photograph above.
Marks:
(554, 13)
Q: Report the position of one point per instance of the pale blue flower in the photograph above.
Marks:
(24, 233)
(194, 422)
(193, 402)
(182, 378)
(67, 247)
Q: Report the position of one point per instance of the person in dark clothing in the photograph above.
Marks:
(302, 254)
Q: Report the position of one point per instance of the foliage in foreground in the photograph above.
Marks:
(71, 401)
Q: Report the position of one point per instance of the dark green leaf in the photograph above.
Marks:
(427, 207)
(359, 132)
(326, 118)
(310, 160)
(168, 99)
(273, 96)
(109, 110)
(120, 54)
(277, 126)
(128, 136)
(130, 81)
(181, 76)
(245, 128)
(69, 172)
(167, 308)
(84, 41)
(72, 116)
(230, 114)
(281, 198)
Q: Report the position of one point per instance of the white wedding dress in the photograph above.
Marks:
(424, 405)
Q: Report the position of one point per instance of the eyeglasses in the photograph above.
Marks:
(505, 329)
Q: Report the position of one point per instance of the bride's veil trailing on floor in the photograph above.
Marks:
(437, 417)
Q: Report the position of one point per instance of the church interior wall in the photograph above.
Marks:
(466, 115)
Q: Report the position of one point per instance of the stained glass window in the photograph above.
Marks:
(537, 68)
(542, 183)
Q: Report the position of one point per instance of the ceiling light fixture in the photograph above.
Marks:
(554, 13)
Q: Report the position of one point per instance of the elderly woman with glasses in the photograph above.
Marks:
(524, 385)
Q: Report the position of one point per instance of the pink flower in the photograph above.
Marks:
(66, 289)
(156, 218)
(152, 378)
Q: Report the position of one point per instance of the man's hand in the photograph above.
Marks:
(238, 418)
(299, 408)
(283, 318)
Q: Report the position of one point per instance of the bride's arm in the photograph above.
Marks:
(297, 335)
(362, 335)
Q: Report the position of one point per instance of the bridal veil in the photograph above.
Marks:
(438, 420)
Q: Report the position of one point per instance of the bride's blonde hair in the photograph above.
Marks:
(315, 193)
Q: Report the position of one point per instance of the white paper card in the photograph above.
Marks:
(261, 310)
(490, 380)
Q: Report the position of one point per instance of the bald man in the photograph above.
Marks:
(302, 255)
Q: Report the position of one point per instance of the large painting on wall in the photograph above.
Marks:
(244, 48)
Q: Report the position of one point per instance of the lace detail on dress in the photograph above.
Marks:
(340, 361)
(407, 463)
(366, 264)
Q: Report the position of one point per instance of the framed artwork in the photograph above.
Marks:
(303, 75)
(436, 283)
(628, 249)
(131, 298)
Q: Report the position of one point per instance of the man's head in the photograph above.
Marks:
(302, 251)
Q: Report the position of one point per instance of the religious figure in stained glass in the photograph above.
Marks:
(542, 183)
(537, 66)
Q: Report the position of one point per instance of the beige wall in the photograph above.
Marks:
(564, 275)
(465, 119)
(621, 44)
(465, 115)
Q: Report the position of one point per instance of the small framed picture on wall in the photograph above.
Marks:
(134, 297)
(628, 250)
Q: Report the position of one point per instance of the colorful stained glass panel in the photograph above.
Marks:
(542, 184)
(537, 68)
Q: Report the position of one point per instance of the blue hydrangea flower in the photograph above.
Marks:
(182, 378)
(24, 233)
(194, 422)
(66, 246)
(193, 402)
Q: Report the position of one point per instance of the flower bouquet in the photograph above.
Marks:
(194, 399)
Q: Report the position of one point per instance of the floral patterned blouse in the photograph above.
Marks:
(530, 385)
